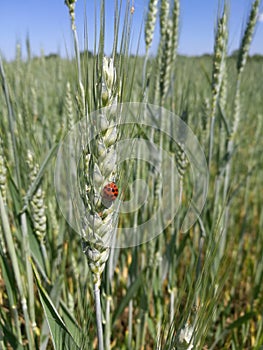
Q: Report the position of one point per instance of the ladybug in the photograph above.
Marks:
(110, 192)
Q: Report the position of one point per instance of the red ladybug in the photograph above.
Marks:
(110, 192)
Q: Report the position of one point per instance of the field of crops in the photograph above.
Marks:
(200, 288)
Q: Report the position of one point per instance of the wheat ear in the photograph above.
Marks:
(150, 23)
(38, 209)
(219, 66)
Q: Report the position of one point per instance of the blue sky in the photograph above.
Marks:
(48, 26)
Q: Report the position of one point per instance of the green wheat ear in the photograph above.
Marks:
(37, 201)
(69, 108)
(38, 210)
(100, 168)
(150, 23)
(167, 50)
(182, 161)
(175, 28)
(247, 37)
(242, 59)
(218, 74)
(164, 16)
(219, 58)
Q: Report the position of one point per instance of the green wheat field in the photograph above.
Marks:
(202, 289)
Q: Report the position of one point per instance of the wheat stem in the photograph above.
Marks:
(98, 315)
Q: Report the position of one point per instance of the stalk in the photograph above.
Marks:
(107, 322)
(3, 182)
(98, 314)
(29, 272)
(130, 318)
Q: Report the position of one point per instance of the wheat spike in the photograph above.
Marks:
(100, 168)
(247, 37)
(150, 23)
(37, 202)
(219, 58)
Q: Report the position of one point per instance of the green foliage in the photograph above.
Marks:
(210, 278)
